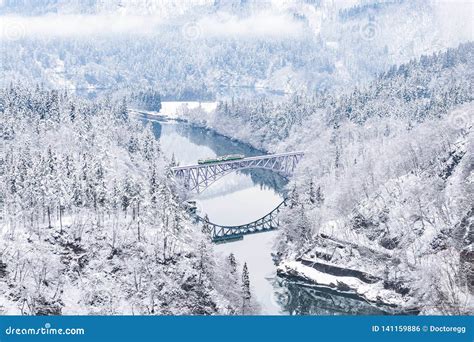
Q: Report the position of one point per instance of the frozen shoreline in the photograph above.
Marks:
(171, 109)
(374, 292)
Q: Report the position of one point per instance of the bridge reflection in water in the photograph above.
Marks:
(199, 177)
(221, 233)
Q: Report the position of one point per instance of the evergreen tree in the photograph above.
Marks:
(173, 162)
(123, 111)
(319, 196)
(293, 199)
(246, 295)
(311, 193)
(302, 227)
(232, 264)
(203, 260)
(206, 227)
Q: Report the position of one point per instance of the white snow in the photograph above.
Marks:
(371, 292)
(171, 109)
(256, 250)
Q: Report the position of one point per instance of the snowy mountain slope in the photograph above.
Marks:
(387, 172)
(209, 49)
(383, 195)
(94, 7)
(417, 214)
(416, 91)
(91, 221)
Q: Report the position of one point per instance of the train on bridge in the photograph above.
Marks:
(199, 177)
(228, 157)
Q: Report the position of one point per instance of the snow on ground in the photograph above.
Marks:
(256, 250)
(371, 292)
(171, 109)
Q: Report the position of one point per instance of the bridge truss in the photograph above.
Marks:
(220, 233)
(199, 177)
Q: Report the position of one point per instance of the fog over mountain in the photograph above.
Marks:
(99, 100)
(191, 49)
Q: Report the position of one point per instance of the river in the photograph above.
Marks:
(240, 198)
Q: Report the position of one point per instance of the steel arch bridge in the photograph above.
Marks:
(220, 233)
(199, 177)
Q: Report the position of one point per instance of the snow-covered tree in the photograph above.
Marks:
(246, 294)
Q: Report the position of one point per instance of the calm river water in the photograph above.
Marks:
(240, 198)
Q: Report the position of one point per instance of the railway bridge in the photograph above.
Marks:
(199, 177)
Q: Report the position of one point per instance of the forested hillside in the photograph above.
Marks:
(421, 89)
(384, 193)
(202, 50)
(91, 219)
(378, 94)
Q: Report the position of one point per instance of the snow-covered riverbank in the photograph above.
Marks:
(373, 292)
(207, 117)
(175, 109)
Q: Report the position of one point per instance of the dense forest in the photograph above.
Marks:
(421, 89)
(378, 95)
(385, 187)
(216, 51)
(91, 219)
